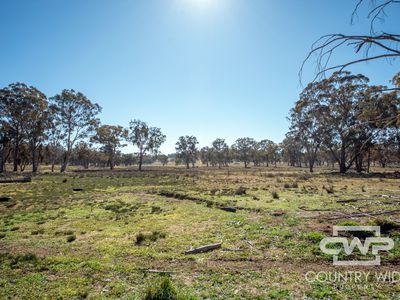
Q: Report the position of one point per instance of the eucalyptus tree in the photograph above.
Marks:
(146, 139)
(24, 112)
(84, 153)
(186, 150)
(75, 115)
(243, 149)
(306, 123)
(5, 146)
(221, 152)
(163, 159)
(111, 138)
(207, 156)
(339, 97)
(291, 150)
(37, 122)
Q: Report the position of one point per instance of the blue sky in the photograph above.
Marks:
(209, 68)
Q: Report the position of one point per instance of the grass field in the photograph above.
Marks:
(109, 239)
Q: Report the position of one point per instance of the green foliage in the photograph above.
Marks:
(275, 195)
(154, 236)
(71, 238)
(163, 289)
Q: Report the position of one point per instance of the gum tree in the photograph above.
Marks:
(186, 150)
(146, 139)
(75, 115)
(110, 137)
(243, 149)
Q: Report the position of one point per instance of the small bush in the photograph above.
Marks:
(156, 210)
(140, 238)
(329, 189)
(154, 236)
(293, 185)
(36, 232)
(71, 238)
(67, 232)
(386, 225)
(2, 235)
(275, 195)
(21, 259)
(314, 237)
(240, 191)
(163, 289)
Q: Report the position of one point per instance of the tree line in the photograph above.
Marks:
(340, 121)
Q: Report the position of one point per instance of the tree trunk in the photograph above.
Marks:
(15, 158)
(342, 161)
(140, 160)
(34, 161)
(65, 161)
(311, 165)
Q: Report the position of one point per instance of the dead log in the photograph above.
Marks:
(5, 198)
(313, 209)
(203, 249)
(228, 209)
(77, 190)
(348, 200)
(278, 213)
(16, 180)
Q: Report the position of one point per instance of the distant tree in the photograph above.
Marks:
(337, 112)
(24, 115)
(5, 146)
(146, 139)
(163, 159)
(75, 115)
(128, 159)
(207, 156)
(110, 137)
(291, 150)
(305, 122)
(186, 150)
(221, 151)
(243, 149)
(84, 153)
(269, 152)
(36, 124)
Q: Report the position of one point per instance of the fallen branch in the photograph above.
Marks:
(18, 180)
(349, 200)
(203, 249)
(278, 213)
(158, 271)
(228, 209)
(313, 209)
(5, 198)
(366, 214)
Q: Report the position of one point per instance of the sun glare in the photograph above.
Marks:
(202, 5)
